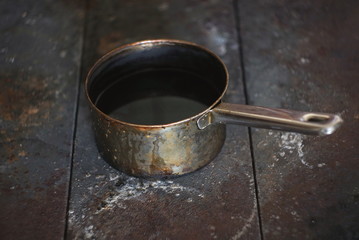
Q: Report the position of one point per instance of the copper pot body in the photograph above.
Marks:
(155, 150)
(150, 152)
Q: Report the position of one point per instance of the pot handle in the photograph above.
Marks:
(271, 118)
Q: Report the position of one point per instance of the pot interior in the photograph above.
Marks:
(157, 83)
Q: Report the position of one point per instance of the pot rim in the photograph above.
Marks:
(149, 43)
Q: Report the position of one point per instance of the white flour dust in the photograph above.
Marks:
(134, 187)
(247, 223)
(293, 142)
(89, 233)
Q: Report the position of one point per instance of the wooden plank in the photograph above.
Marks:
(216, 202)
(304, 55)
(40, 48)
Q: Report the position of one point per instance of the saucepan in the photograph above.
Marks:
(157, 108)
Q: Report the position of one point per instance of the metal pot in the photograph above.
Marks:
(157, 108)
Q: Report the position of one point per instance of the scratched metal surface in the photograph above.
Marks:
(39, 58)
(304, 55)
(217, 202)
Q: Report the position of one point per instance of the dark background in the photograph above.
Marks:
(263, 185)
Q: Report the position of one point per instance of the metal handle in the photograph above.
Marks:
(271, 118)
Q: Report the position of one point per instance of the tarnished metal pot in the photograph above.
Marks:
(157, 108)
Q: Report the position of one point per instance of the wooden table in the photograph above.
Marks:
(263, 185)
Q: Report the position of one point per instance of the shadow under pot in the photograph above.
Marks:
(157, 108)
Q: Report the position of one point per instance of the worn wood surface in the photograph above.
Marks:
(304, 55)
(300, 55)
(40, 48)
